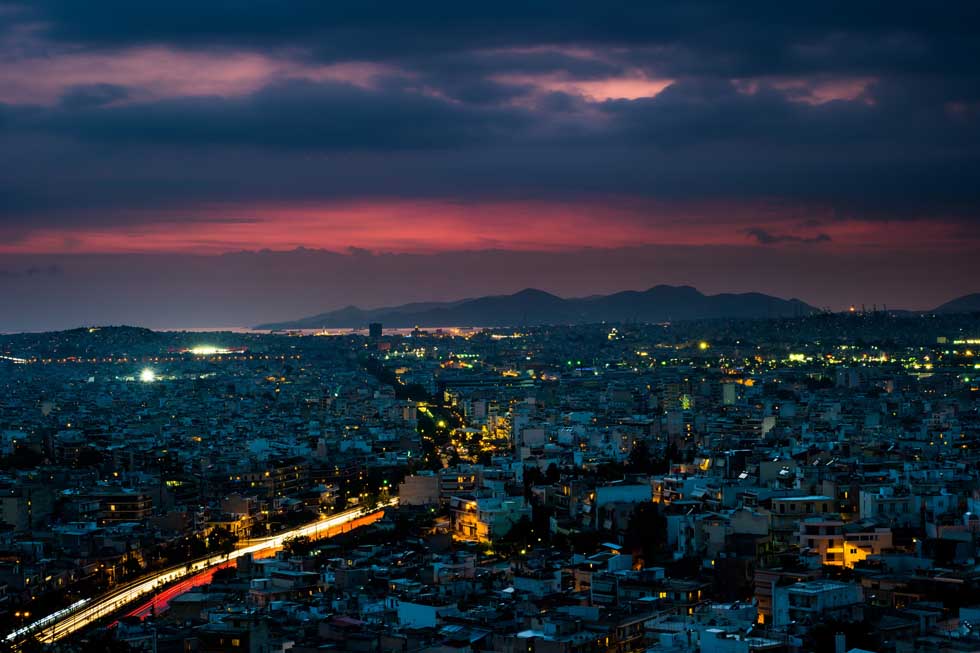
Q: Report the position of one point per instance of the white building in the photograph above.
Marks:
(809, 602)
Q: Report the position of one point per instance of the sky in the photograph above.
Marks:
(220, 163)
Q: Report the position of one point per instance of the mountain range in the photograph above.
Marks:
(533, 307)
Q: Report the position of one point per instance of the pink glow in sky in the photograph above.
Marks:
(158, 72)
(800, 139)
(812, 91)
(437, 226)
(597, 90)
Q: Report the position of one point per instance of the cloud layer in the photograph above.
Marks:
(214, 127)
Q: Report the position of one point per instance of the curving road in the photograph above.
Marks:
(88, 611)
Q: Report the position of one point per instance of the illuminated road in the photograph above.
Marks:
(161, 600)
(88, 611)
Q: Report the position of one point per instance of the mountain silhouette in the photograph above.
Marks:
(533, 307)
(965, 304)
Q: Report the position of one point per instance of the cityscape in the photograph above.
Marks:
(717, 485)
(506, 328)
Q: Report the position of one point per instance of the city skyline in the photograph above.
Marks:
(446, 327)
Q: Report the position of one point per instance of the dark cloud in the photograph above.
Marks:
(44, 270)
(293, 114)
(89, 96)
(581, 65)
(302, 141)
(736, 38)
(765, 237)
(451, 126)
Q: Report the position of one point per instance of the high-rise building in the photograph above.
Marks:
(374, 330)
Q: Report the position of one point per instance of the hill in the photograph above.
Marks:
(964, 304)
(531, 307)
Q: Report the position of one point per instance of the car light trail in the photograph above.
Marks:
(85, 612)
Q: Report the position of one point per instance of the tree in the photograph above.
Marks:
(541, 523)
(584, 541)
(224, 575)
(517, 538)
(484, 458)
(22, 458)
(222, 540)
(552, 475)
(639, 458)
(298, 546)
(89, 457)
(132, 566)
(646, 531)
(532, 477)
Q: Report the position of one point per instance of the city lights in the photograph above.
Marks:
(211, 350)
(457, 423)
(656, 328)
